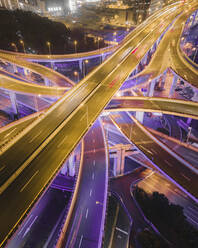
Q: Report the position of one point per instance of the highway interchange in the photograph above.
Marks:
(26, 167)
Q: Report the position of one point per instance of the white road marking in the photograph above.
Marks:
(10, 132)
(35, 137)
(87, 213)
(83, 117)
(94, 162)
(80, 241)
(25, 224)
(146, 149)
(93, 176)
(188, 217)
(61, 142)
(2, 168)
(94, 150)
(187, 178)
(29, 180)
(90, 193)
(168, 163)
(28, 229)
(117, 228)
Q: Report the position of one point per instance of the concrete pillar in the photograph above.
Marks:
(47, 82)
(52, 65)
(173, 86)
(145, 59)
(151, 88)
(81, 65)
(139, 116)
(72, 165)
(36, 103)
(64, 168)
(189, 121)
(26, 71)
(193, 21)
(115, 166)
(122, 161)
(14, 103)
(15, 69)
(102, 57)
(118, 164)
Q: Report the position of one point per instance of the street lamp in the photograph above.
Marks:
(75, 45)
(76, 74)
(22, 43)
(86, 61)
(50, 52)
(15, 47)
(49, 47)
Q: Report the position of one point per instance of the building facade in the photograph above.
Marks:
(31, 5)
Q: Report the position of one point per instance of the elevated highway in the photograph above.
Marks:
(26, 165)
(167, 162)
(57, 78)
(24, 177)
(15, 85)
(154, 104)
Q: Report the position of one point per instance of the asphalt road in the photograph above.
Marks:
(156, 182)
(121, 186)
(66, 121)
(155, 151)
(87, 219)
(155, 104)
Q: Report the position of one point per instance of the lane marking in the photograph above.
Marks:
(28, 229)
(10, 133)
(117, 228)
(25, 224)
(90, 193)
(83, 116)
(61, 142)
(80, 241)
(187, 178)
(35, 136)
(29, 180)
(93, 140)
(93, 176)
(87, 213)
(168, 163)
(2, 168)
(94, 162)
(146, 149)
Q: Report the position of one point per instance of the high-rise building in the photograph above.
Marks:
(31, 5)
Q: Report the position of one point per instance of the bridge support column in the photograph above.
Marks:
(52, 65)
(14, 104)
(145, 59)
(139, 116)
(151, 88)
(102, 57)
(72, 165)
(64, 168)
(26, 72)
(36, 107)
(81, 65)
(118, 165)
(15, 69)
(173, 86)
(189, 121)
(47, 82)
